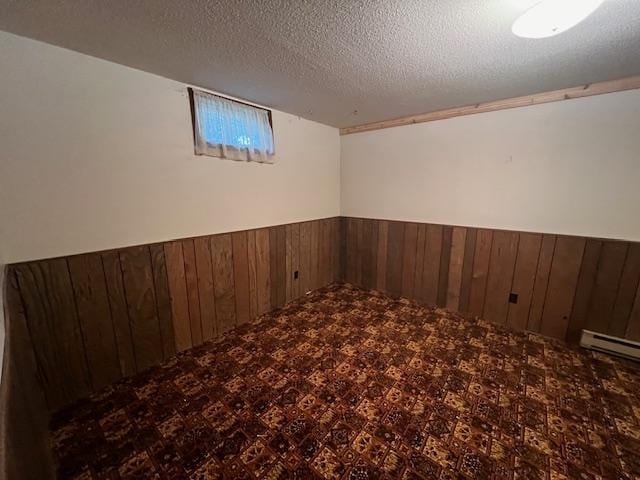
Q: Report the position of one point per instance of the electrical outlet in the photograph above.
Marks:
(513, 298)
(295, 275)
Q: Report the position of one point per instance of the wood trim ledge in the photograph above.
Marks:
(587, 90)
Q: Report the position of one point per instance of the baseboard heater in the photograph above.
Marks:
(612, 345)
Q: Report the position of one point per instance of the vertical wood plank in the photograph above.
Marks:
(369, 254)
(305, 257)
(313, 255)
(206, 294)
(282, 264)
(139, 290)
(541, 283)
(295, 259)
(431, 267)
(253, 274)
(119, 312)
(273, 265)
(163, 299)
(178, 291)
(584, 288)
(443, 280)
(419, 268)
(336, 248)
(351, 250)
(241, 276)
(626, 292)
(193, 296)
(33, 279)
(322, 265)
(263, 270)
(563, 280)
(288, 263)
(65, 315)
(343, 247)
(480, 273)
(90, 291)
(467, 269)
(603, 296)
(359, 222)
(381, 267)
(524, 276)
(325, 252)
(395, 257)
(373, 252)
(358, 250)
(25, 413)
(409, 258)
(456, 262)
(501, 266)
(55, 330)
(223, 282)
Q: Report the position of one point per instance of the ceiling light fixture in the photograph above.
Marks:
(551, 17)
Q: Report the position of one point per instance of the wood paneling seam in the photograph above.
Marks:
(126, 301)
(82, 332)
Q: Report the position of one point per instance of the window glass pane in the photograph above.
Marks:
(223, 122)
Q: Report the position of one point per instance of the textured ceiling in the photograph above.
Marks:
(340, 62)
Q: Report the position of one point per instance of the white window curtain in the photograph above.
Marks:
(232, 130)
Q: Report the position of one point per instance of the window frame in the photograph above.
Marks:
(192, 106)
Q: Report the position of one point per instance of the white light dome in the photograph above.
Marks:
(551, 17)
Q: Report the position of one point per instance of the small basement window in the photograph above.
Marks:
(228, 129)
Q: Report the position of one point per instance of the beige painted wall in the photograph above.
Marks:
(96, 155)
(570, 167)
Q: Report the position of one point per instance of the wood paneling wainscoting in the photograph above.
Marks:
(94, 318)
(79, 323)
(563, 283)
(85, 321)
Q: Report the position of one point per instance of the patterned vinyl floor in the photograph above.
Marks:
(351, 384)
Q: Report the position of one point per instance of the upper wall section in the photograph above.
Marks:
(96, 156)
(569, 167)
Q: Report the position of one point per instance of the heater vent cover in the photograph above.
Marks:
(612, 345)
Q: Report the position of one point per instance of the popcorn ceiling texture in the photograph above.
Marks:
(325, 59)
